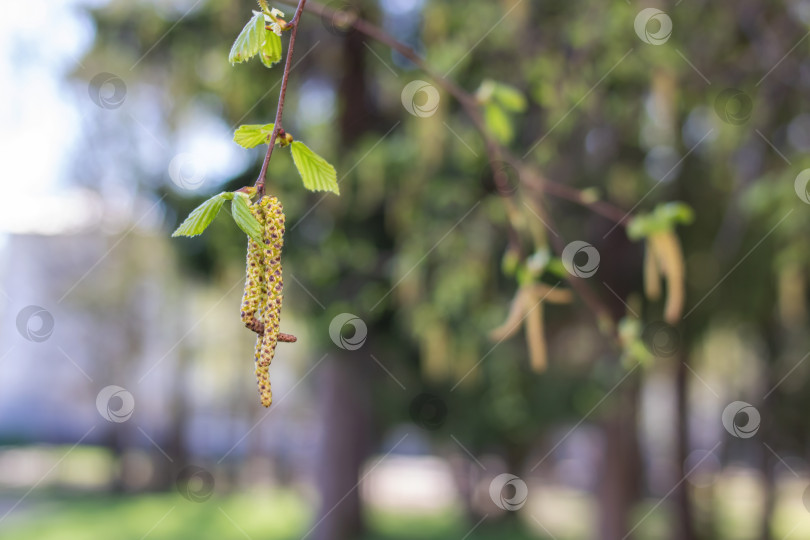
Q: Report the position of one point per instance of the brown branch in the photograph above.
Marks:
(471, 108)
(495, 153)
(280, 109)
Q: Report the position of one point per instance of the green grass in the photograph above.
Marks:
(280, 516)
(286, 515)
(271, 516)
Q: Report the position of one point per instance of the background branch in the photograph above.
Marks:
(496, 154)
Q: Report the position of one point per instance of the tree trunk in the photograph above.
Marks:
(684, 527)
(620, 467)
(345, 398)
(345, 406)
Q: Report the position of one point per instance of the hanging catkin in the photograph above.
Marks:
(255, 286)
(261, 303)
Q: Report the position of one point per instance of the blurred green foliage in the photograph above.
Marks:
(414, 244)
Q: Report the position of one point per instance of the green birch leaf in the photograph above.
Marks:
(663, 218)
(201, 217)
(556, 268)
(509, 97)
(271, 49)
(317, 173)
(498, 123)
(240, 211)
(249, 41)
(251, 135)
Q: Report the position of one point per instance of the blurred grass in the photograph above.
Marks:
(287, 515)
(280, 515)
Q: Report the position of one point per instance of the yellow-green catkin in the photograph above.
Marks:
(261, 305)
(273, 242)
(255, 295)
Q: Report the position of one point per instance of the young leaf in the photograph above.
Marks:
(663, 218)
(509, 97)
(498, 123)
(251, 135)
(271, 49)
(249, 41)
(240, 210)
(201, 217)
(316, 172)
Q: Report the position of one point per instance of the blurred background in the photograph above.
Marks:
(128, 406)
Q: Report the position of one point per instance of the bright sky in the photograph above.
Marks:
(37, 123)
(41, 116)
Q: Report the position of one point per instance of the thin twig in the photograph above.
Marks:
(471, 108)
(495, 153)
(280, 109)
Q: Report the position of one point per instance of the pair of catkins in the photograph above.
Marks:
(261, 303)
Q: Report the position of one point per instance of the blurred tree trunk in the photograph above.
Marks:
(620, 469)
(177, 446)
(766, 466)
(345, 406)
(345, 399)
(775, 337)
(684, 515)
(620, 466)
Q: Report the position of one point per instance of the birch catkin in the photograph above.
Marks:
(261, 303)
(255, 285)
